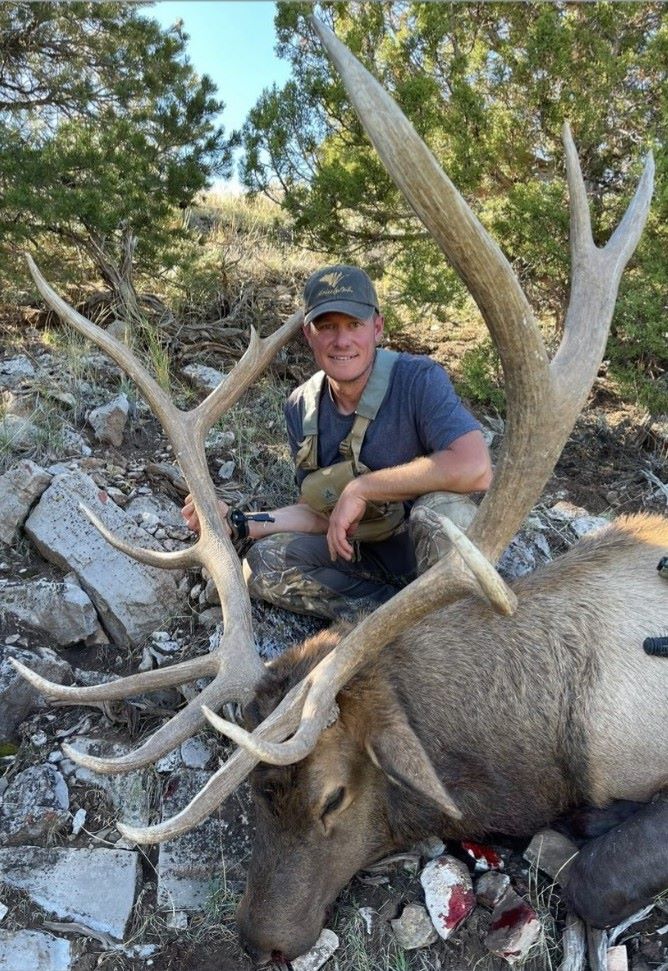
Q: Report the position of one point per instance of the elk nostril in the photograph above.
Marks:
(258, 956)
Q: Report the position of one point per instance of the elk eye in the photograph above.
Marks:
(333, 802)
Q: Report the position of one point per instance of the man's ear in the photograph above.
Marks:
(306, 331)
(378, 326)
(395, 749)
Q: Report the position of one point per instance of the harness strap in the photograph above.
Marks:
(370, 402)
(366, 411)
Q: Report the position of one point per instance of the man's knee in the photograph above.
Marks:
(278, 569)
(429, 540)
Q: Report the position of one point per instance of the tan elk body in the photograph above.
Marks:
(523, 718)
(460, 706)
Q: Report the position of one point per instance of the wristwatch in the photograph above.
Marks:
(238, 521)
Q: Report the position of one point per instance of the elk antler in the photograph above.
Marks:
(234, 662)
(544, 397)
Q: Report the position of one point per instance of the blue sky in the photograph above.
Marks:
(233, 42)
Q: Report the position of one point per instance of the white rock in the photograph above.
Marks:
(36, 802)
(74, 444)
(226, 470)
(78, 821)
(321, 952)
(196, 753)
(490, 888)
(618, 959)
(108, 421)
(579, 520)
(178, 920)
(188, 864)
(551, 852)
(18, 698)
(3, 911)
(19, 488)
(15, 370)
(514, 928)
(67, 882)
(59, 607)
(131, 599)
(414, 928)
(170, 761)
(34, 951)
(18, 433)
(448, 893)
(202, 377)
(217, 440)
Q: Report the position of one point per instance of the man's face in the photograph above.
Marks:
(344, 346)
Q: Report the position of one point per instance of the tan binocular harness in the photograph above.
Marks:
(322, 487)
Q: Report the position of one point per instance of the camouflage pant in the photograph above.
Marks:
(294, 570)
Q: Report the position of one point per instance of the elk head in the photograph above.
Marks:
(544, 398)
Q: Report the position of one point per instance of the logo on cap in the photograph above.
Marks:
(332, 278)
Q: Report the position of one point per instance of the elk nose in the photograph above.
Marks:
(257, 954)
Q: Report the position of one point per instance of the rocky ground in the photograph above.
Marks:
(73, 894)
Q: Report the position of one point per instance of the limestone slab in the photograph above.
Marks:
(188, 865)
(94, 887)
(34, 951)
(19, 488)
(131, 599)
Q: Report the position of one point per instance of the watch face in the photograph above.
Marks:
(237, 517)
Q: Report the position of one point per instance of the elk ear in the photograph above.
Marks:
(395, 749)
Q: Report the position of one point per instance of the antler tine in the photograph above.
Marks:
(542, 401)
(180, 727)
(282, 722)
(234, 660)
(172, 560)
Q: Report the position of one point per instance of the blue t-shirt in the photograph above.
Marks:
(421, 413)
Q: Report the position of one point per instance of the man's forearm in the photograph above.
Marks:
(299, 518)
(463, 469)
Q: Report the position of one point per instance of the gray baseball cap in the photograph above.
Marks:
(345, 289)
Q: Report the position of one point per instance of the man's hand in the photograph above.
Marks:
(343, 522)
(190, 516)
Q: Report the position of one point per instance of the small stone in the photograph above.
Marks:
(414, 928)
(195, 753)
(321, 952)
(15, 370)
(430, 848)
(618, 959)
(169, 762)
(218, 440)
(34, 804)
(491, 887)
(514, 928)
(178, 920)
(3, 911)
(108, 421)
(202, 377)
(74, 444)
(78, 821)
(552, 853)
(448, 893)
(18, 433)
(226, 470)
